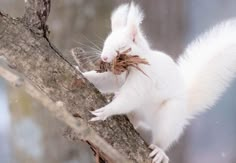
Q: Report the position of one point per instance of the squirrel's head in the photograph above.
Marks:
(126, 32)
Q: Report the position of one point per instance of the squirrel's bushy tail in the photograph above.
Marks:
(209, 65)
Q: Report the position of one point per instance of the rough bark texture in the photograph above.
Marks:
(58, 109)
(34, 56)
(36, 15)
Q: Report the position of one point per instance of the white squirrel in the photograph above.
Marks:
(161, 105)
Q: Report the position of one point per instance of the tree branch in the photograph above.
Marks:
(36, 15)
(81, 128)
(46, 72)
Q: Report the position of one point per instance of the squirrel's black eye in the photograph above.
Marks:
(134, 40)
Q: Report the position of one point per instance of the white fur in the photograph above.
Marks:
(135, 15)
(209, 65)
(119, 17)
(160, 104)
(108, 82)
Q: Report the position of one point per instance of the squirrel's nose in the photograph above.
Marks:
(104, 59)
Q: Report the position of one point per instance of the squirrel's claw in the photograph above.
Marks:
(158, 155)
(100, 114)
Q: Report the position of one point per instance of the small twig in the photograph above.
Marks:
(98, 157)
(82, 65)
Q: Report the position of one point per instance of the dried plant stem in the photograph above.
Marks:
(123, 62)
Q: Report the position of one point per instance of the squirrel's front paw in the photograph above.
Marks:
(101, 114)
(158, 155)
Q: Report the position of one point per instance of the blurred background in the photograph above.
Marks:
(28, 134)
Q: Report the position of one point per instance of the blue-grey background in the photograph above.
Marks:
(26, 133)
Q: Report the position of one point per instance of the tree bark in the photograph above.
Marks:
(24, 43)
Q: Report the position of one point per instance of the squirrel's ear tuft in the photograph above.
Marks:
(134, 19)
(119, 17)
